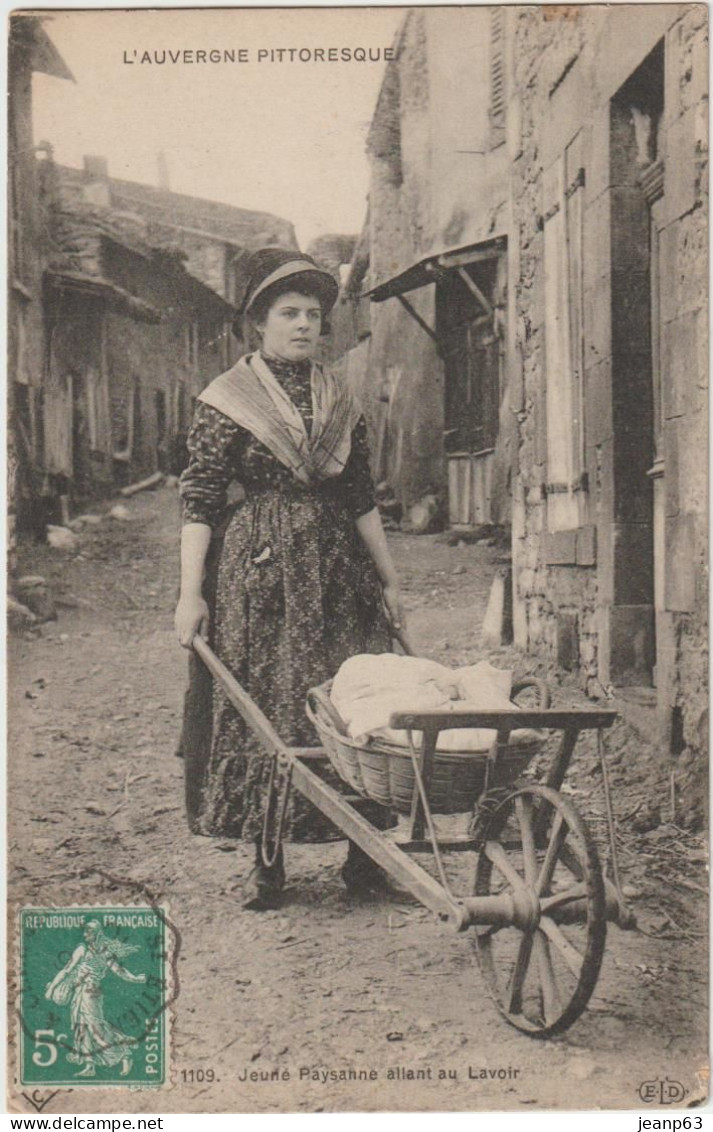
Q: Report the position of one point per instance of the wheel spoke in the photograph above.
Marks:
(495, 853)
(517, 978)
(524, 817)
(550, 994)
(550, 903)
(491, 930)
(569, 953)
(571, 860)
(554, 848)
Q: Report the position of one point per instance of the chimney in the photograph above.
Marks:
(96, 186)
(163, 182)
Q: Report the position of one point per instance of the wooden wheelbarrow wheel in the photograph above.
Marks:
(536, 848)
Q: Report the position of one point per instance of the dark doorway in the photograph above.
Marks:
(637, 188)
(466, 313)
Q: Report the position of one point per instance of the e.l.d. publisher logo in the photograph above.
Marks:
(662, 1091)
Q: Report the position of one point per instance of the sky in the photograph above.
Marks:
(286, 137)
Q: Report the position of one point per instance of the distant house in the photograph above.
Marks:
(131, 338)
(139, 293)
(30, 50)
(215, 238)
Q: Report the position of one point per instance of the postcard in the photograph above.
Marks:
(357, 615)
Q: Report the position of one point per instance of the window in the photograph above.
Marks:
(566, 478)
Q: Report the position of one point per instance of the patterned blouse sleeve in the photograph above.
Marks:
(212, 465)
(357, 483)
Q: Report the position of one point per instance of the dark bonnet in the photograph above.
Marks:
(284, 269)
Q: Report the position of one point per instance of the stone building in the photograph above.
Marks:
(428, 354)
(135, 293)
(131, 338)
(30, 50)
(525, 320)
(216, 239)
(607, 262)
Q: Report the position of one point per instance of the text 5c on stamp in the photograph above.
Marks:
(94, 995)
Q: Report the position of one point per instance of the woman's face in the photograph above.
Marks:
(292, 327)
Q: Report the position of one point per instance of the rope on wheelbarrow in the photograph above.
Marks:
(610, 816)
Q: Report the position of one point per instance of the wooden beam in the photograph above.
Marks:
(475, 290)
(451, 844)
(558, 719)
(559, 767)
(241, 701)
(379, 847)
(421, 322)
(459, 259)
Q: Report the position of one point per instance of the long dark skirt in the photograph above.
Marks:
(293, 593)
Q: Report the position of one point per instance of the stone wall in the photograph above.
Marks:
(685, 364)
(586, 596)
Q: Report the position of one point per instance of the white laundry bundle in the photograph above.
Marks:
(368, 689)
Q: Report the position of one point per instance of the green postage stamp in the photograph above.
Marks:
(94, 995)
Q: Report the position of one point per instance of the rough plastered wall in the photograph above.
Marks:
(405, 374)
(207, 260)
(435, 184)
(470, 171)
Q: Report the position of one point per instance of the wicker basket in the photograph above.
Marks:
(384, 772)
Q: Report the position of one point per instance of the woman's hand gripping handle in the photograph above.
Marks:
(192, 615)
(372, 533)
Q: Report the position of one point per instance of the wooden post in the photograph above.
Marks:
(426, 761)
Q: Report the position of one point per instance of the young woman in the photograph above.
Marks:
(303, 578)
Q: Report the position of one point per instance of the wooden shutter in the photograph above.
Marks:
(497, 72)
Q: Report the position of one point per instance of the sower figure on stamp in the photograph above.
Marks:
(303, 578)
(96, 1041)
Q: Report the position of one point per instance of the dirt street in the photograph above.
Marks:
(329, 981)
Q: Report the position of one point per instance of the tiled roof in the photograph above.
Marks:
(79, 233)
(241, 227)
(118, 297)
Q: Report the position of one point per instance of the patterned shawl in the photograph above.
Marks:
(252, 397)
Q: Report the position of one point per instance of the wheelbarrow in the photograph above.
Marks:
(539, 902)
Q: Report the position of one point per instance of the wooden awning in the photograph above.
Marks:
(118, 298)
(428, 269)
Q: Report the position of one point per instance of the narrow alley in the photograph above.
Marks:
(329, 986)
